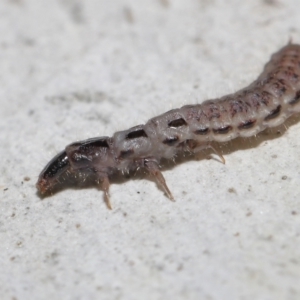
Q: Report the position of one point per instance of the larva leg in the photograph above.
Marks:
(105, 186)
(218, 153)
(153, 168)
(193, 147)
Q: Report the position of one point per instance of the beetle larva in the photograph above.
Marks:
(267, 102)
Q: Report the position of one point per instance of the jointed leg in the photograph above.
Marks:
(153, 168)
(197, 148)
(105, 186)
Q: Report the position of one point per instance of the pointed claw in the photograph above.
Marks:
(107, 200)
(154, 170)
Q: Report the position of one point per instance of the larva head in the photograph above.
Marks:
(93, 154)
(50, 174)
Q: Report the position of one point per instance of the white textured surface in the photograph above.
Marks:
(77, 69)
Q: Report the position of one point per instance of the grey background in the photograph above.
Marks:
(71, 70)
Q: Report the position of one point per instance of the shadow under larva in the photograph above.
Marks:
(265, 103)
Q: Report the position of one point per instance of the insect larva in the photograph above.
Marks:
(267, 102)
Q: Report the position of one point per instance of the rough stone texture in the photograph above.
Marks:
(71, 70)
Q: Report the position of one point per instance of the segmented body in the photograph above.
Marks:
(267, 102)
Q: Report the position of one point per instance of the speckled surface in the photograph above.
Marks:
(71, 70)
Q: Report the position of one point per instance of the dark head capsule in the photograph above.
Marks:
(58, 165)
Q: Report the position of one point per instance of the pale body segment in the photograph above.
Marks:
(267, 102)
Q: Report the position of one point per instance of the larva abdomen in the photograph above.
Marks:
(267, 102)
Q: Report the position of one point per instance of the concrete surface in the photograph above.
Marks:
(71, 70)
